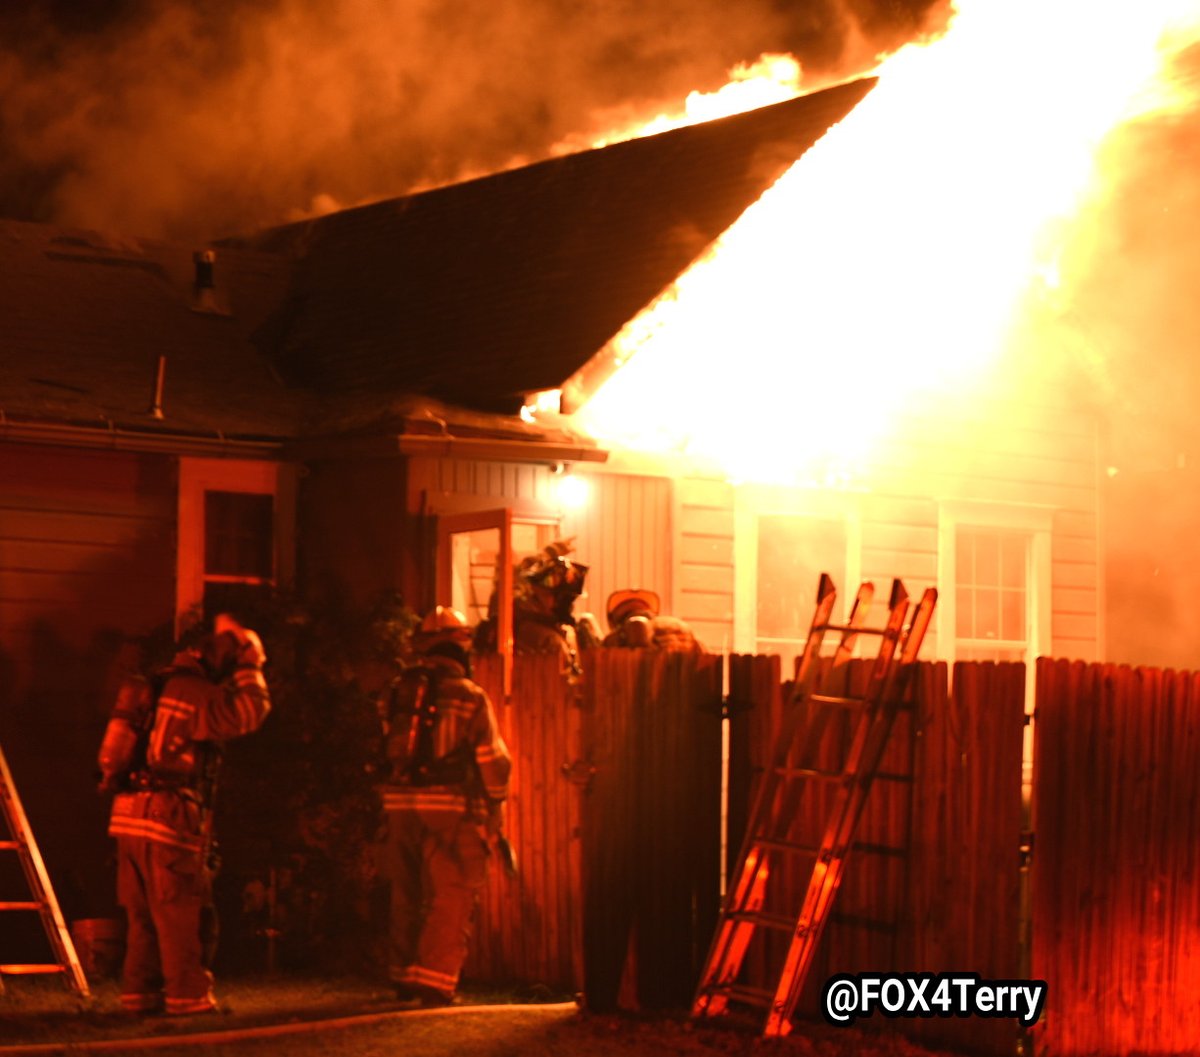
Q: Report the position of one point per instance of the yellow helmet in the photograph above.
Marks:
(443, 624)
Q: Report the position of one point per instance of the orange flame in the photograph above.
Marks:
(891, 264)
(771, 79)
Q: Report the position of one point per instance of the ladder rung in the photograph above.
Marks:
(778, 922)
(750, 996)
(19, 837)
(840, 701)
(879, 849)
(850, 627)
(29, 970)
(778, 844)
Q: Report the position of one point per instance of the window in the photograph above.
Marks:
(994, 571)
(235, 526)
(992, 594)
(793, 551)
(239, 550)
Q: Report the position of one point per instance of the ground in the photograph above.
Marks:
(354, 1018)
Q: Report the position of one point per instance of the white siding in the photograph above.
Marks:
(705, 592)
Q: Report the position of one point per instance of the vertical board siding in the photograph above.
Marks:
(623, 534)
(1116, 903)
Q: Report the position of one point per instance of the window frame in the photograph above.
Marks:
(1033, 521)
(198, 476)
(753, 502)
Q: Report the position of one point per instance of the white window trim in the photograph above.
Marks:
(754, 501)
(1029, 518)
(256, 477)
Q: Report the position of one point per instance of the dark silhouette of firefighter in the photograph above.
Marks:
(160, 756)
(634, 620)
(545, 589)
(443, 800)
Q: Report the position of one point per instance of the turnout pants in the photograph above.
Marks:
(436, 862)
(164, 891)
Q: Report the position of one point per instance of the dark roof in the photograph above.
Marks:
(431, 314)
(84, 318)
(484, 291)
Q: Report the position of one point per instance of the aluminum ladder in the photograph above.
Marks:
(20, 839)
(793, 769)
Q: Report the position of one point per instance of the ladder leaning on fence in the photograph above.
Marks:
(42, 899)
(792, 770)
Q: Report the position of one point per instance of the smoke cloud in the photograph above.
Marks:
(1134, 321)
(195, 119)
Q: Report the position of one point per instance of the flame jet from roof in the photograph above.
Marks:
(901, 255)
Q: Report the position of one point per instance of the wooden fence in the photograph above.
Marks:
(1116, 898)
(615, 816)
(944, 896)
(615, 819)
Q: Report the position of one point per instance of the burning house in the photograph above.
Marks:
(723, 358)
(334, 402)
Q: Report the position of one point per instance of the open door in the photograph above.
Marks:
(476, 553)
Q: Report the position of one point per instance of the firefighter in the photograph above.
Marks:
(545, 588)
(160, 755)
(443, 800)
(634, 621)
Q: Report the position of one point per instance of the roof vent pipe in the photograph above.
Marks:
(160, 375)
(205, 261)
(204, 285)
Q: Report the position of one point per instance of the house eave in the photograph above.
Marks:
(500, 450)
(493, 449)
(111, 437)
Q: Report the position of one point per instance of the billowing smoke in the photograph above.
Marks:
(1132, 317)
(194, 119)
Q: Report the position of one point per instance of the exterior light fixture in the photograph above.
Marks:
(572, 491)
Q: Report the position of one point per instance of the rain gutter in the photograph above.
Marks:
(115, 438)
(502, 450)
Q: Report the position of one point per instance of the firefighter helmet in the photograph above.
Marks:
(443, 624)
(623, 604)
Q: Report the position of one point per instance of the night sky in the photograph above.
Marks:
(191, 119)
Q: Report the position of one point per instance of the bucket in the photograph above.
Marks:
(99, 945)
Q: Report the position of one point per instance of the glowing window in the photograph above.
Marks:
(991, 620)
(793, 551)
